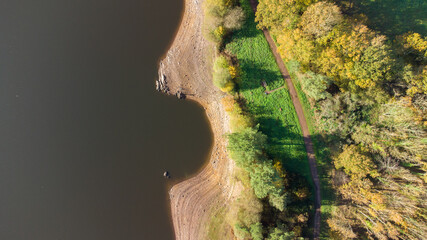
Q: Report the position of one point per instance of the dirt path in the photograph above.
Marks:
(277, 89)
(304, 128)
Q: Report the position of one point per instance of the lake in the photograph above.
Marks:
(84, 136)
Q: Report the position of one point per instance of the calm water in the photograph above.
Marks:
(84, 137)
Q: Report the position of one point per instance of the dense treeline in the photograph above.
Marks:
(369, 93)
(262, 210)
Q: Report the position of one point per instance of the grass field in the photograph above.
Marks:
(274, 112)
(394, 17)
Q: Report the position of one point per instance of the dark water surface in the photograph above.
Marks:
(84, 137)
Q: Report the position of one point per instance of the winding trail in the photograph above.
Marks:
(303, 124)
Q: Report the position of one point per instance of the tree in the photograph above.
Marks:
(256, 231)
(279, 14)
(413, 47)
(262, 177)
(416, 79)
(241, 232)
(315, 85)
(246, 147)
(398, 133)
(294, 45)
(355, 163)
(218, 8)
(341, 222)
(221, 17)
(375, 64)
(280, 233)
(234, 19)
(278, 201)
(319, 18)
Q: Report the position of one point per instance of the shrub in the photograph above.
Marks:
(221, 18)
(256, 231)
(241, 232)
(221, 74)
(234, 19)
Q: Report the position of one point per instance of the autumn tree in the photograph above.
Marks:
(221, 74)
(355, 163)
(319, 18)
(234, 19)
(413, 47)
(280, 14)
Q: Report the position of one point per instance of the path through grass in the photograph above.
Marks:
(275, 112)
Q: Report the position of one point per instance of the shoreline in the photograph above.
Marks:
(185, 69)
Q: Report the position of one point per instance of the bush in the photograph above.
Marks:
(256, 231)
(239, 120)
(241, 232)
(221, 18)
(234, 19)
(221, 74)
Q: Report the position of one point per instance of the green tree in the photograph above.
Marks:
(241, 232)
(315, 85)
(262, 177)
(280, 233)
(279, 201)
(256, 231)
(246, 147)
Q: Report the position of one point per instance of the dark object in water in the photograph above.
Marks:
(166, 174)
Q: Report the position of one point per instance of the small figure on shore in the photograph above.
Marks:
(166, 174)
(264, 84)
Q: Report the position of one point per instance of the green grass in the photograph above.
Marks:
(258, 64)
(394, 17)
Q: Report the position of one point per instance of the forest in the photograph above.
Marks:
(361, 72)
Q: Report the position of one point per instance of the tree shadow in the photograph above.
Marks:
(253, 75)
(278, 133)
(394, 17)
